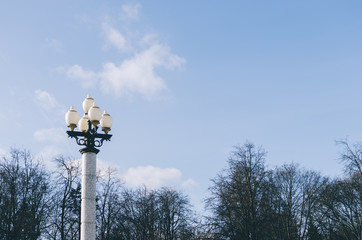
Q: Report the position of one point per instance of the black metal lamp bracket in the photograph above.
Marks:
(90, 139)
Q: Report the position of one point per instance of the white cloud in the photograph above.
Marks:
(189, 183)
(130, 11)
(104, 166)
(114, 37)
(137, 75)
(45, 100)
(152, 177)
(47, 154)
(148, 40)
(137, 72)
(50, 134)
(3, 153)
(87, 78)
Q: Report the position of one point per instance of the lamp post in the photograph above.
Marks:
(91, 140)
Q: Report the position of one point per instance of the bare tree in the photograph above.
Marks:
(341, 201)
(341, 209)
(175, 218)
(351, 157)
(288, 183)
(298, 194)
(312, 184)
(140, 214)
(108, 204)
(64, 220)
(23, 196)
(239, 195)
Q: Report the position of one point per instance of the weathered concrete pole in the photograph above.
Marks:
(88, 204)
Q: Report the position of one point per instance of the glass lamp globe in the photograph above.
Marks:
(71, 118)
(87, 103)
(106, 122)
(83, 123)
(95, 114)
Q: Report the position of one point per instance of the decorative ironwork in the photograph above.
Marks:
(90, 139)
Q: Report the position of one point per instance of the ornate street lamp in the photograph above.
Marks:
(88, 137)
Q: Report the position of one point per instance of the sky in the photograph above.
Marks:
(184, 82)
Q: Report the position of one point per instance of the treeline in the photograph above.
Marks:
(36, 204)
(246, 201)
(249, 201)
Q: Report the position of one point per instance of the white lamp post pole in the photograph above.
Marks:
(88, 204)
(88, 137)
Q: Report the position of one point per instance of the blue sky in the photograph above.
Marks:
(184, 81)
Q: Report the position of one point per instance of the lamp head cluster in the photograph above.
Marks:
(92, 113)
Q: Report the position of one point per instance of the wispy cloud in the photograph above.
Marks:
(87, 78)
(54, 44)
(45, 100)
(114, 37)
(104, 165)
(135, 74)
(151, 176)
(47, 155)
(3, 152)
(55, 135)
(189, 183)
(130, 11)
